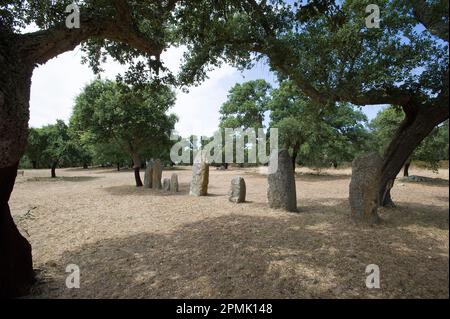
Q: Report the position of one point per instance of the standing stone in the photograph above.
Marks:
(281, 192)
(157, 174)
(237, 190)
(166, 184)
(200, 176)
(364, 187)
(148, 174)
(174, 183)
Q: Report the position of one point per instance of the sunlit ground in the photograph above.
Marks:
(142, 243)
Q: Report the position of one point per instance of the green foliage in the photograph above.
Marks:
(320, 134)
(246, 105)
(36, 146)
(59, 148)
(108, 153)
(133, 117)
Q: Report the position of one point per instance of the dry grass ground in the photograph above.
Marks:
(142, 243)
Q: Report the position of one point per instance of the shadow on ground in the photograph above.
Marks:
(424, 215)
(127, 190)
(323, 177)
(429, 181)
(63, 179)
(322, 255)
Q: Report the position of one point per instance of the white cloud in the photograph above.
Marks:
(60, 80)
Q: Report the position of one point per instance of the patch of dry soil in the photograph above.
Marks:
(140, 243)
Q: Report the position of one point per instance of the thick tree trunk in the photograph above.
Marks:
(53, 169)
(418, 123)
(16, 267)
(19, 54)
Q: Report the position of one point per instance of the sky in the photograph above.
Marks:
(56, 84)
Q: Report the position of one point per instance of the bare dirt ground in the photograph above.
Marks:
(140, 243)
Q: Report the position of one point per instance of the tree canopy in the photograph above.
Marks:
(133, 117)
(321, 134)
(246, 105)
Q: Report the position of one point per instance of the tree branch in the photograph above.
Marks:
(41, 46)
(431, 16)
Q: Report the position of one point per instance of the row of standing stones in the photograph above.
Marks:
(281, 192)
(153, 175)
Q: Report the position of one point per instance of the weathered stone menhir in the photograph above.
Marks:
(281, 193)
(237, 190)
(157, 174)
(174, 183)
(148, 177)
(364, 187)
(200, 178)
(166, 184)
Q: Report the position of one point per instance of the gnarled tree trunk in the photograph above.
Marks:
(19, 54)
(16, 267)
(418, 124)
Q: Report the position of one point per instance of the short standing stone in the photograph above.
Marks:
(157, 174)
(166, 184)
(174, 183)
(281, 193)
(364, 187)
(237, 190)
(148, 175)
(200, 179)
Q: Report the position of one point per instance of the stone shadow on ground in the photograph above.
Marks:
(322, 177)
(127, 190)
(246, 256)
(63, 179)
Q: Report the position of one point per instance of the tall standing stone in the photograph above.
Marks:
(281, 193)
(174, 183)
(148, 177)
(237, 190)
(166, 184)
(157, 174)
(364, 187)
(200, 176)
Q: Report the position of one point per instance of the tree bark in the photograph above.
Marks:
(19, 55)
(16, 266)
(137, 168)
(295, 151)
(53, 169)
(418, 123)
(406, 168)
